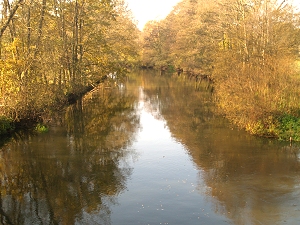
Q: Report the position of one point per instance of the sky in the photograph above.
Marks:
(146, 10)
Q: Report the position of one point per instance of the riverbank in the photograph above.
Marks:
(263, 102)
(39, 118)
(254, 71)
(265, 107)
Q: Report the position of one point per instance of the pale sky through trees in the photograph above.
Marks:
(146, 10)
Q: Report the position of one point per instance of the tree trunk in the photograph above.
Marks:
(75, 42)
(29, 27)
(40, 29)
(11, 15)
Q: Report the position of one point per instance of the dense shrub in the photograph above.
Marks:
(289, 127)
(6, 125)
(260, 99)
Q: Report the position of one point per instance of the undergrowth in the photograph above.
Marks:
(6, 125)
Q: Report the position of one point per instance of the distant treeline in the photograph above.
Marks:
(250, 51)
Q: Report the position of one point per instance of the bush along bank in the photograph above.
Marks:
(37, 111)
(6, 126)
(285, 127)
(36, 114)
(289, 128)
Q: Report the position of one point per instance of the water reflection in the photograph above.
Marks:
(79, 173)
(67, 174)
(252, 180)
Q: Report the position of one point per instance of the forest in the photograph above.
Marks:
(51, 52)
(247, 49)
(54, 51)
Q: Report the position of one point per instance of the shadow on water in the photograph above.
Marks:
(3, 140)
(250, 180)
(73, 172)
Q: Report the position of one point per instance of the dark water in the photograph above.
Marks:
(149, 152)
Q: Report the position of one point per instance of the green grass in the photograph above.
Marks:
(41, 128)
(289, 128)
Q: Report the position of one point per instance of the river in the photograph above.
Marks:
(152, 151)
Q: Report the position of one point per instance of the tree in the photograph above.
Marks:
(190, 47)
(11, 13)
(254, 75)
(64, 47)
(247, 47)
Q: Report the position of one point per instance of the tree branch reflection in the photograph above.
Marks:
(74, 174)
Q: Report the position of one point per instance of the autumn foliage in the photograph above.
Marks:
(249, 50)
(50, 50)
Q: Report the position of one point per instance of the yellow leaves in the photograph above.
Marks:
(16, 43)
(254, 127)
(12, 46)
(10, 49)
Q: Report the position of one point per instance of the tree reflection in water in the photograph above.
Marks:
(250, 180)
(71, 175)
(74, 175)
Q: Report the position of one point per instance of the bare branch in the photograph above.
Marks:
(280, 6)
(12, 13)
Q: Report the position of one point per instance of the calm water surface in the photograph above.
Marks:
(151, 152)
